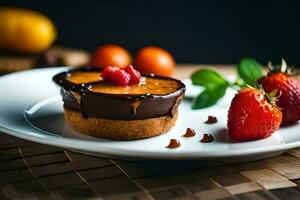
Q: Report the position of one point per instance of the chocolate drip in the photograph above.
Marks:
(175, 105)
(134, 106)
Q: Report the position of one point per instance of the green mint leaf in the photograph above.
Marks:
(249, 70)
(208, 78)
(209, 97)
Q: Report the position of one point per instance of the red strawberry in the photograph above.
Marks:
(135, 75)
(288, 89)
(105, 74)
(119, 77)
(253, 115)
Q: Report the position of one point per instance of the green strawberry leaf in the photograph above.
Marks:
(208, 78)
(209, 97)
(249, 70)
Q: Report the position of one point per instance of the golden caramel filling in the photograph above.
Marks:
(147, 85)
(84, 77)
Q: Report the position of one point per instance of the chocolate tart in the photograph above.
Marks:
(99, 109)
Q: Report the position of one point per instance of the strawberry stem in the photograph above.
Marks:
(271, 97)
(284, 68)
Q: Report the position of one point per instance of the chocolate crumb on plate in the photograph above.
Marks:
(189, 133)
(207, 138)
(211, 120)
(174, 144)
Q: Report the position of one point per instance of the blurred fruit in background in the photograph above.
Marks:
(110, 55)
(155, 60)
(62, 56)
(54, 56)
(25, 31)
(26, 39)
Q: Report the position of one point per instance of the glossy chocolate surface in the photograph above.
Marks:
(83, 90)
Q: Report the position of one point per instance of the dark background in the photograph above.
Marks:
(193, 31)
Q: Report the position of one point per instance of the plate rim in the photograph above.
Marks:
(107, 152)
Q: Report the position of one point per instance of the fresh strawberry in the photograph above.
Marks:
(135, 75)
(119, 77)
(105, 74)
(288, 88)
(253, 115)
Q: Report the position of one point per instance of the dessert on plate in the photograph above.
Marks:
(118, 105)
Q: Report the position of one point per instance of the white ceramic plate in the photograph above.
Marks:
(31, 108)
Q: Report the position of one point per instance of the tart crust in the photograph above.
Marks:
(120, 129)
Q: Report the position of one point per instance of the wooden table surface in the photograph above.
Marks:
(34, 171)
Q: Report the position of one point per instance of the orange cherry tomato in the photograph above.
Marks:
(155, 60)
(110, 55)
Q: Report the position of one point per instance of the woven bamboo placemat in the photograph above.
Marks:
(34, 171)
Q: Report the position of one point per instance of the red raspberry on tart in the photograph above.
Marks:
(135, 76)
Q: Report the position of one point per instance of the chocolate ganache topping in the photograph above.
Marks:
(84, 91)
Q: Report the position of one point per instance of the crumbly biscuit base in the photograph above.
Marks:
(120, 129)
